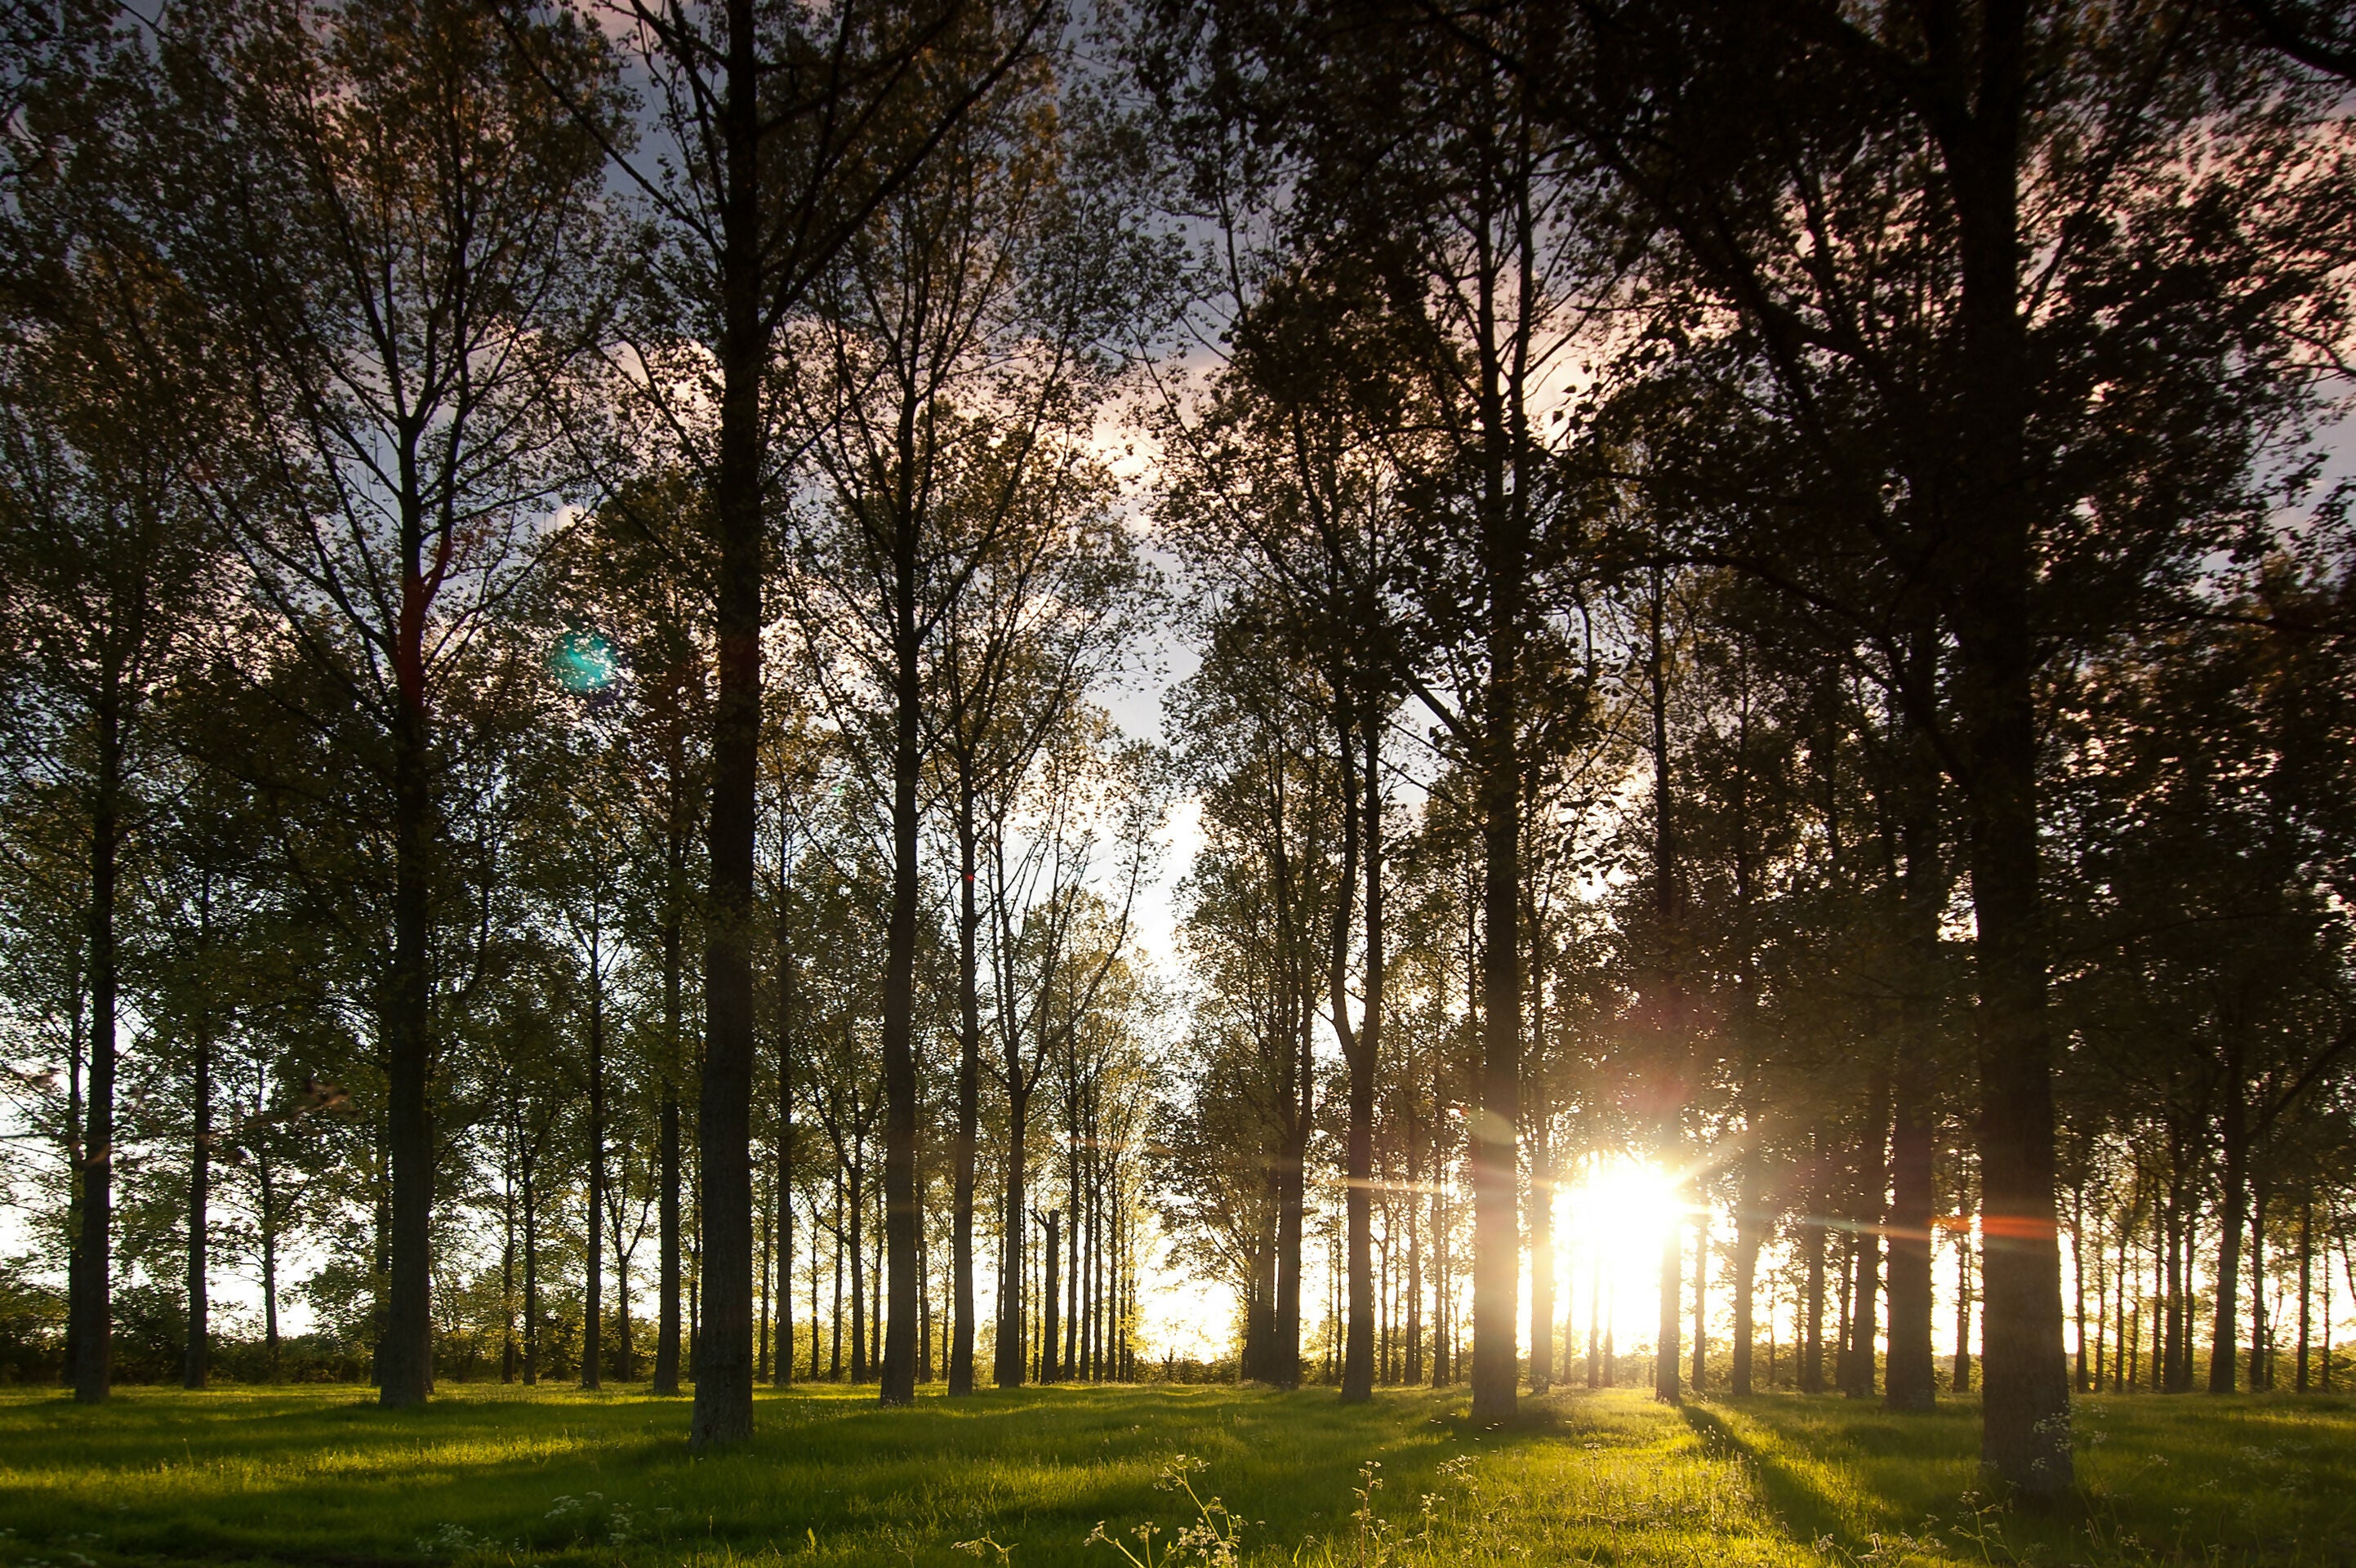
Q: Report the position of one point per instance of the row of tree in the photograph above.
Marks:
(1767, 591)
(1772, 596)
(425, 425)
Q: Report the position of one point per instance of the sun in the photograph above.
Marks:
(1622, 1207)
(1611, 1218)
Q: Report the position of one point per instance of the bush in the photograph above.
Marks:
(32, 1325)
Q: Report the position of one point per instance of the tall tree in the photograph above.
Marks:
(399, 234)
(2003, 121)
(959, 361)
(785, 131)
(112, 574)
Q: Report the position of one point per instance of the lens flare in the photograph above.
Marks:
(1622, 1210)
(582, 661)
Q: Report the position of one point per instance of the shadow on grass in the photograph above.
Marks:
(1795, 1499)
(325, 1477)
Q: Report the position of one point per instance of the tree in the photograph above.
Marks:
(789, 130)
(957, 360)
(112, 574)
(397, 232)
(1971, 393)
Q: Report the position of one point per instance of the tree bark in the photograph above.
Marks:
(1011, 1362)
(2025, 1431)
(1747, 1242)
(2261, 1366)
(2233, 1219)
(897, 1382)
(592, 1329)
(1358, 1050)
(783, 1364)
(2306, 1285)
(1857, 1372)
(1050, 1296)
(666, 1330)
(406, 1375)
(1812, 1325)
(530, 1277)
(1666, 1004)
(724, 1349)
(1913, 1383)
(1496, 1208)
(1702, 1299)
(195, 1370)
(965, 1142)
(1963, 1312)
(269, 1223)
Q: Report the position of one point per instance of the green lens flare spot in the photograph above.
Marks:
(582, 661)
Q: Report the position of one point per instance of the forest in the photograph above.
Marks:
(936, 696)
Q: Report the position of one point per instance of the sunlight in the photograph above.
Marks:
(1610, 1217)
(1620, 1210)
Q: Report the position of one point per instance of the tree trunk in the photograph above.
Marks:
(1747, 1242)
(1857, 1377)
(784, 1363)
(2078, 1279)
(1292, 1215)
(965, 1142)
(1496, 1209)
(510, 1349)
(2105, 1330)
(2260, 1367)
(2233, 1219)
(406, 1375)
(195, 1370)
(1073, 1273)
(724, 1350)
(2165, 1299)
(1441, 1373)
(592, 1329)
(531, 1279)
(1912, 1198)
(666, 1330)
(2306, 1284)
(1595, 1322)
(75, 1132)
(93, 1306)
(1964, 1311)
(1914, 1195)
(1259, 1304)
(1010, 1363)
(1542, 1258)
(269, 1226)
(1050, 1296)
(2025, 1431)
(1812, 1317)
(924, 1310)
(835, 1350)
(860, 1364)
(1359, 1051)
(624, 1361)
(2127, 1307)
(1667, 1003)
(1415, 1233)
(1668, 1377)
(1701, 1298)
(897, 1382)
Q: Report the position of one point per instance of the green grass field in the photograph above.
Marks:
(494, 1476)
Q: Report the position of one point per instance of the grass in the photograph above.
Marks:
(487, 1475)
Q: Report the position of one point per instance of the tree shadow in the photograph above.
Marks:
(1798, 1504)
